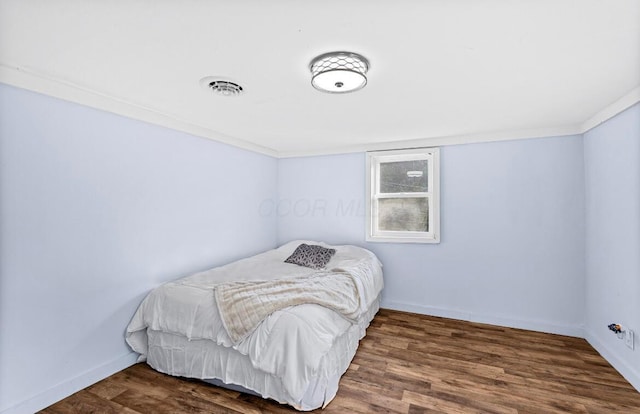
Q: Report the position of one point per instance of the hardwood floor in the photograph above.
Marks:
(410, 364)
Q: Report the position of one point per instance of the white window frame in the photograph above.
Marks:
(374, 158)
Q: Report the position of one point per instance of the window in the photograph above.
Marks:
(403, 197)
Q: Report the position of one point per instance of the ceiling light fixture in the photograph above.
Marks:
(339, 72)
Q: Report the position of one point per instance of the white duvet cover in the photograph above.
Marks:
(295, 356)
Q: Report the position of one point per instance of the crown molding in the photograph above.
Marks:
(495, 136)
(601, 116)
(612, 110)
(68, 91)
(38, 82)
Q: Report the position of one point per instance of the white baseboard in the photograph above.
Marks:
(540, 326)
(64, 389)
(625, 369)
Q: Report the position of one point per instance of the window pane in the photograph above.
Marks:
(403, 177)
(403, 214)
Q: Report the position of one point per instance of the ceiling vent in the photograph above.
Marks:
(221, 86)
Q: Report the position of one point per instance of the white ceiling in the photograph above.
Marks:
(442, 71)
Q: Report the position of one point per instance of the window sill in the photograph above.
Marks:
(404, 239)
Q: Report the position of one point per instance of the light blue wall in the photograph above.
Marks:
(612, 170)
(512, 249)
(95, 210)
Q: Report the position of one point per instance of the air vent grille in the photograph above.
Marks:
(225, 88)
(221, 87)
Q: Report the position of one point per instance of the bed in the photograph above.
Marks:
(278, 324)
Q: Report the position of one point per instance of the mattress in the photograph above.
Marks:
(295, 356)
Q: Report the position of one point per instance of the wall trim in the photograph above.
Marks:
(494, 136)
(612, 110)
(531, 325)
(71, 386)
(68, 91)
(626, 370)
(28, 79)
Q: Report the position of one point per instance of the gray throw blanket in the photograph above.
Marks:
(244, 305)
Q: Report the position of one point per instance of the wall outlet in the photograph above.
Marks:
(628, 338)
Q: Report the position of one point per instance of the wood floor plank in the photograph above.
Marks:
(408, 364)
(217, 395)
(87, 402)
(109, 388)
(454, 402)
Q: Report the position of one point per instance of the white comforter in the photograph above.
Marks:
(288, 344)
